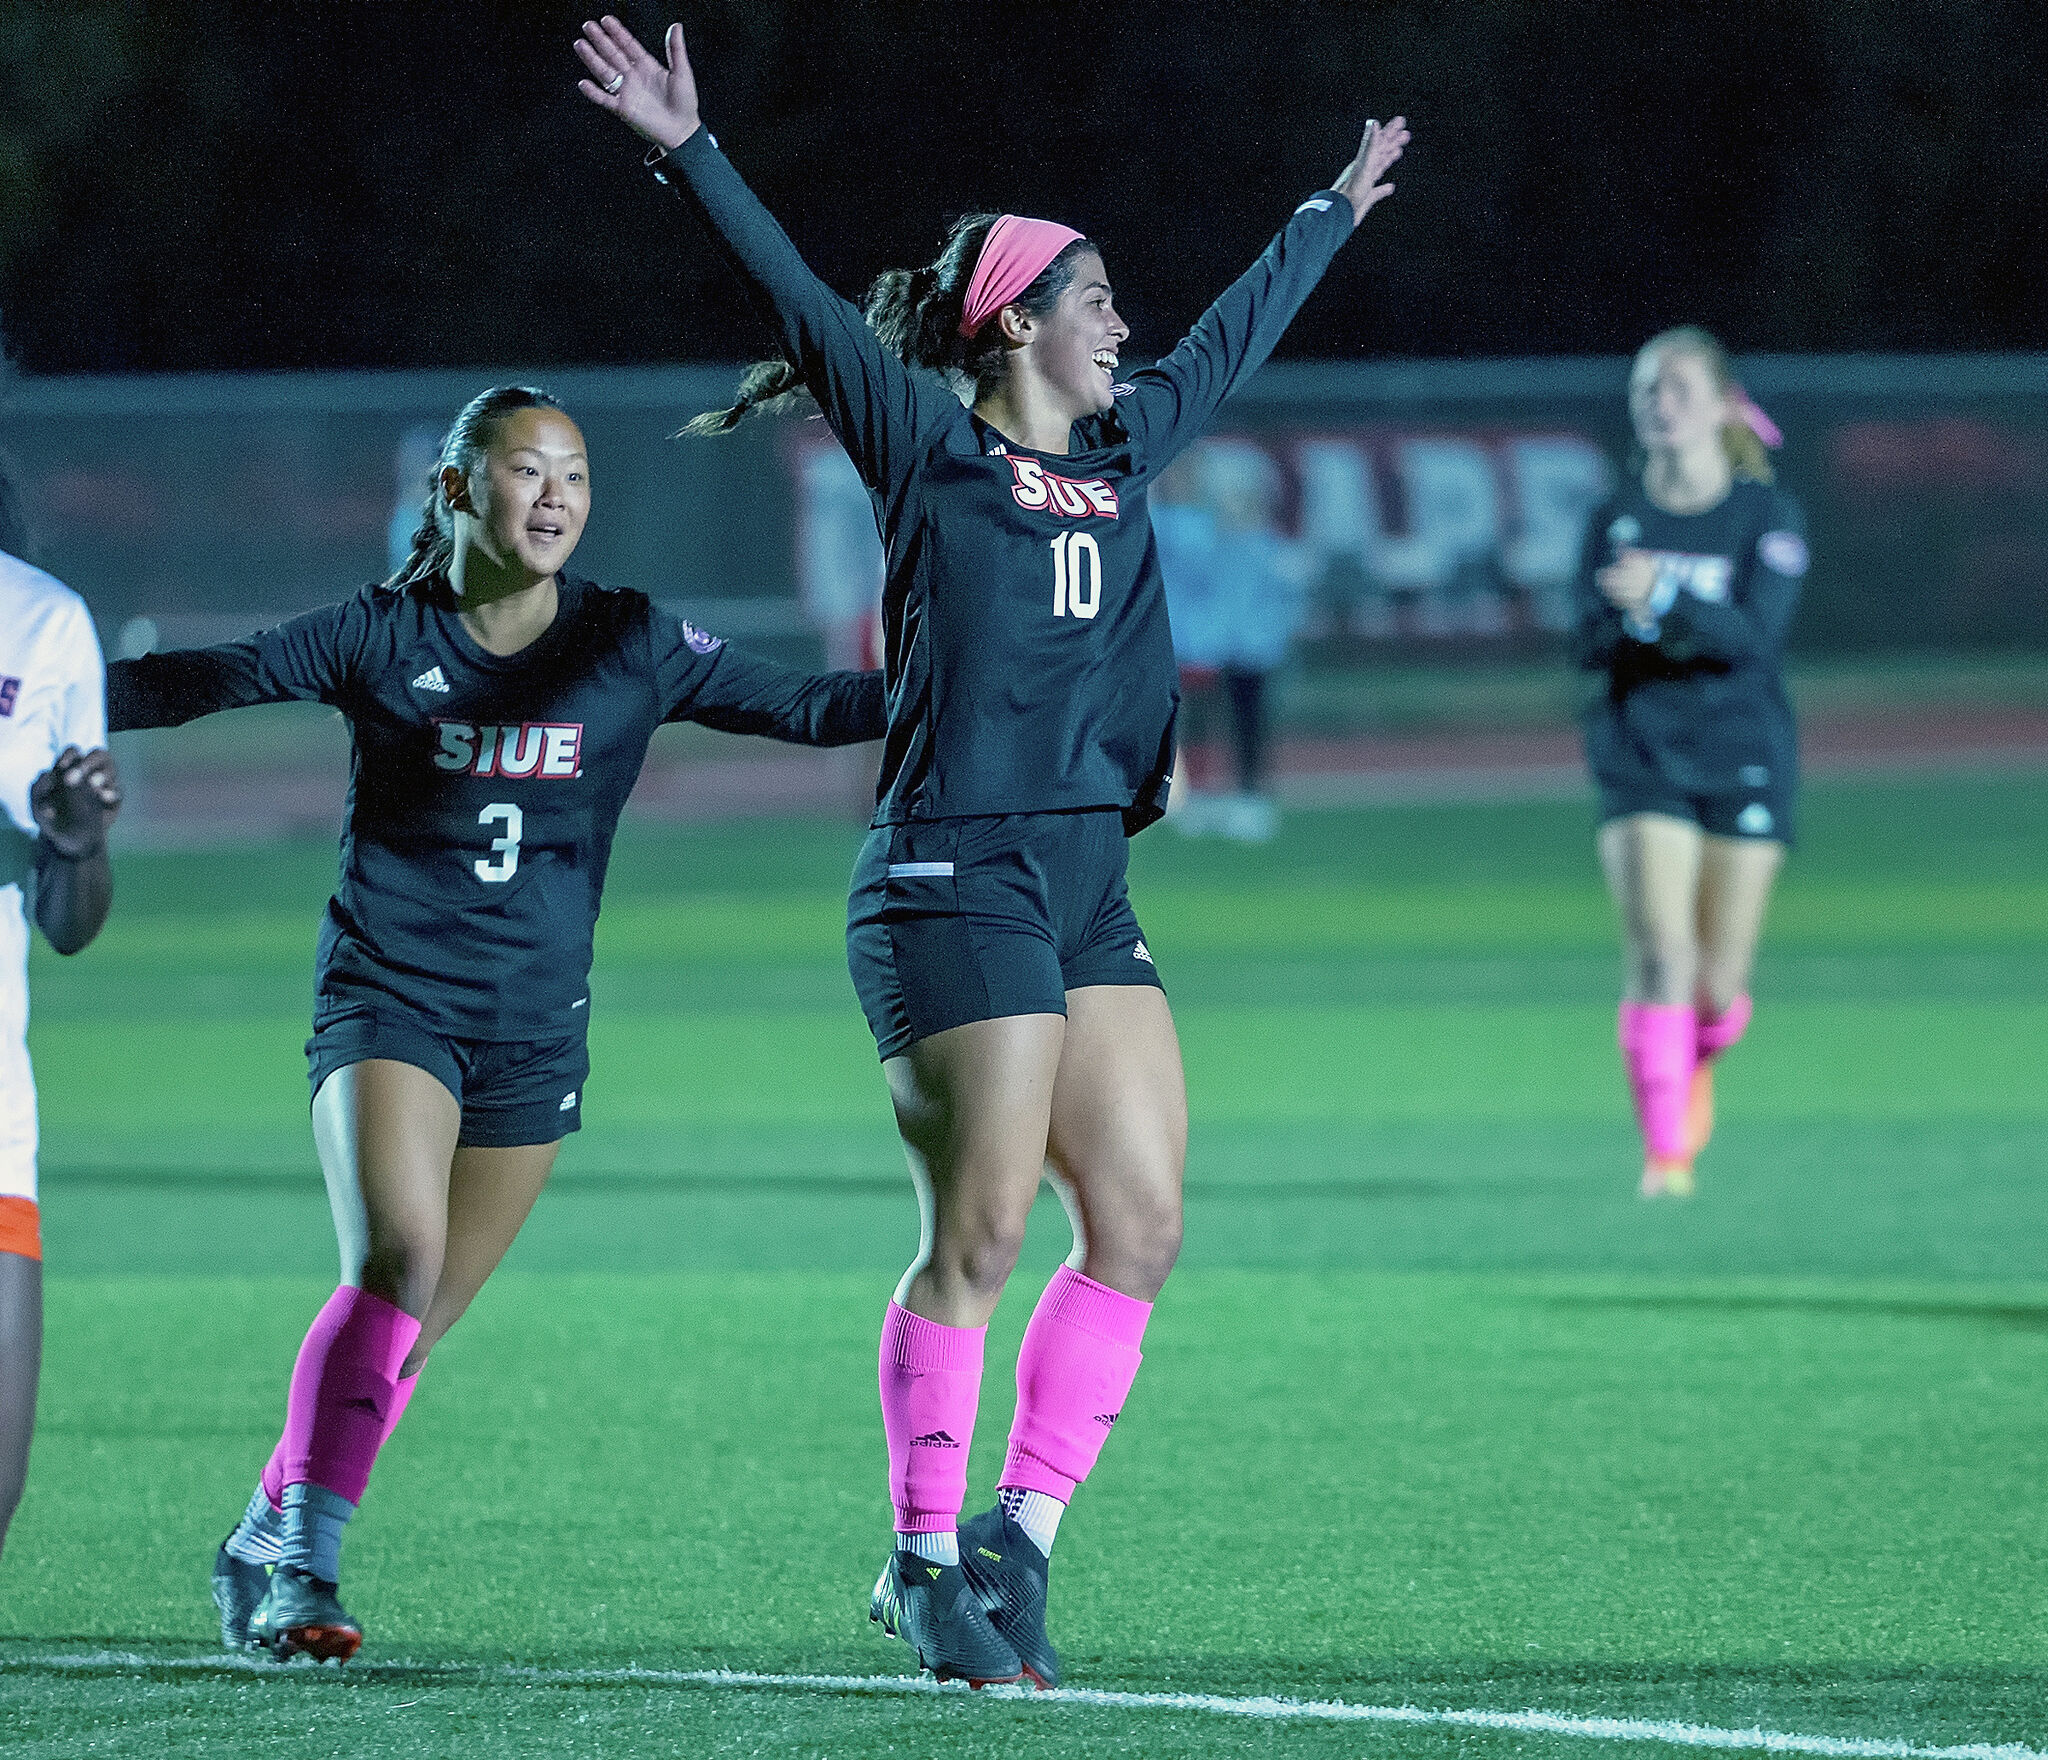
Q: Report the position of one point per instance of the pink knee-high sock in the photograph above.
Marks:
(1074, 1372)
(931, 1388)
(273, 1469)
(1658, 1048)
(344, 1396)
(1717, 1032)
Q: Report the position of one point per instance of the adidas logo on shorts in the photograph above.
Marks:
(431, 680)
(1141, 951)
(568, 1102)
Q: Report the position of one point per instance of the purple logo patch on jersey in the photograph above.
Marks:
(1782, 552)
(10, 688)
(698, 641)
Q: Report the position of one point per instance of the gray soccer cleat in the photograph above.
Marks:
(302, 1616)
(1008, 1573)
(238, 1590)
(931, 1608)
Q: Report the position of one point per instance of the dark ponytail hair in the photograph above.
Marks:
(916, 315)
(433, 544)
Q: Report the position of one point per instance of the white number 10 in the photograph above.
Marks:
(505, 862)
(1076, 588)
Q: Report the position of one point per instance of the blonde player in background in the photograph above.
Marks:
(58, 795)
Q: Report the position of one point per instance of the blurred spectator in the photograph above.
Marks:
(1236, 591)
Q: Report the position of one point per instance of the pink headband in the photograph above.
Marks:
(1014, 255)
(1754, 418)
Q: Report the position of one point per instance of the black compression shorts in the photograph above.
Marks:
(1763, 806)
(512, 1094)
(958, 920)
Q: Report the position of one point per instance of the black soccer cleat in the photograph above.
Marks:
(931, 1608)
(301, 1615)
(1008, 1574)
(238, 1590)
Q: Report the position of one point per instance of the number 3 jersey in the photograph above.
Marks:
(1029, 660)
(484, 789)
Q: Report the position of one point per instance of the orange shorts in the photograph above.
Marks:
(21, 1227)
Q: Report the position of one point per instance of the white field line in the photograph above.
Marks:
(1550, 1723)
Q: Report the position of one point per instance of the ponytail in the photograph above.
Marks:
(915, 314)
(433, 542)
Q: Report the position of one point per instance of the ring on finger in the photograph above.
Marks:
(612, 85)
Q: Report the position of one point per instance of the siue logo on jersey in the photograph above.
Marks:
(1704, 577)
(10, 689)
(550, 750)
(700, 641)
(1038, 488)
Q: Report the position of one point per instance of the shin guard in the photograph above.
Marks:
(930, 1378)
(1658, 1049)
(345, 1394)
(1074, 1371)
(1716, 1033)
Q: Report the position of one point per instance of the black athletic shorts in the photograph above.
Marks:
(1762, 805)
(958, 920)
(512, 1094)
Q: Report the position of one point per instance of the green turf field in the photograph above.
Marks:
(1436, 1412)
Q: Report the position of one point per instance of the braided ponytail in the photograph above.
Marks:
(433, 543)
(915, 314)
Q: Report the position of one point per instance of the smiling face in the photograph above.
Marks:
(1074, 346)
(530, 492)
(1676, 405)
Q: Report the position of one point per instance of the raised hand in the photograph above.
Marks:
(659, 103)
(74, 801)
(1359, 181)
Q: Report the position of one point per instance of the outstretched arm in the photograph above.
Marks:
(879, 408)
(303, 660)
(1169, 405)
(74, 802)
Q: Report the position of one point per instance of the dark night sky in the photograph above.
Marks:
(192, 184)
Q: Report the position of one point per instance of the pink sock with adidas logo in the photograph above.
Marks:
(931, 1388)
(1074, 1372)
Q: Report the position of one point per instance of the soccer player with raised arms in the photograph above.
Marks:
(1032, 695)
(500, 709)
(1687, 586)
(58, 796)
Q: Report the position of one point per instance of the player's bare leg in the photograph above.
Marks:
(1736, 876)
(1652, 864)
(491, 1192)
(973, 1104)
(21, 1356)
(1116, 1149)
(386, 1135)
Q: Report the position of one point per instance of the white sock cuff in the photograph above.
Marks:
(941, 1548)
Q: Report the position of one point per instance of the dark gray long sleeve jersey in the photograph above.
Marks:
(484, 789)
(1029, 664)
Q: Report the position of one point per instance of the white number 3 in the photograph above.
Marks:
(505, 860)
(1076, 575)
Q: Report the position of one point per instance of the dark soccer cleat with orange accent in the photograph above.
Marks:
(303, 1616)
(1006, 1570)
(238, 1590)
(931, 1608)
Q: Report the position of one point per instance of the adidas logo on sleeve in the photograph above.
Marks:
(433, 679)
